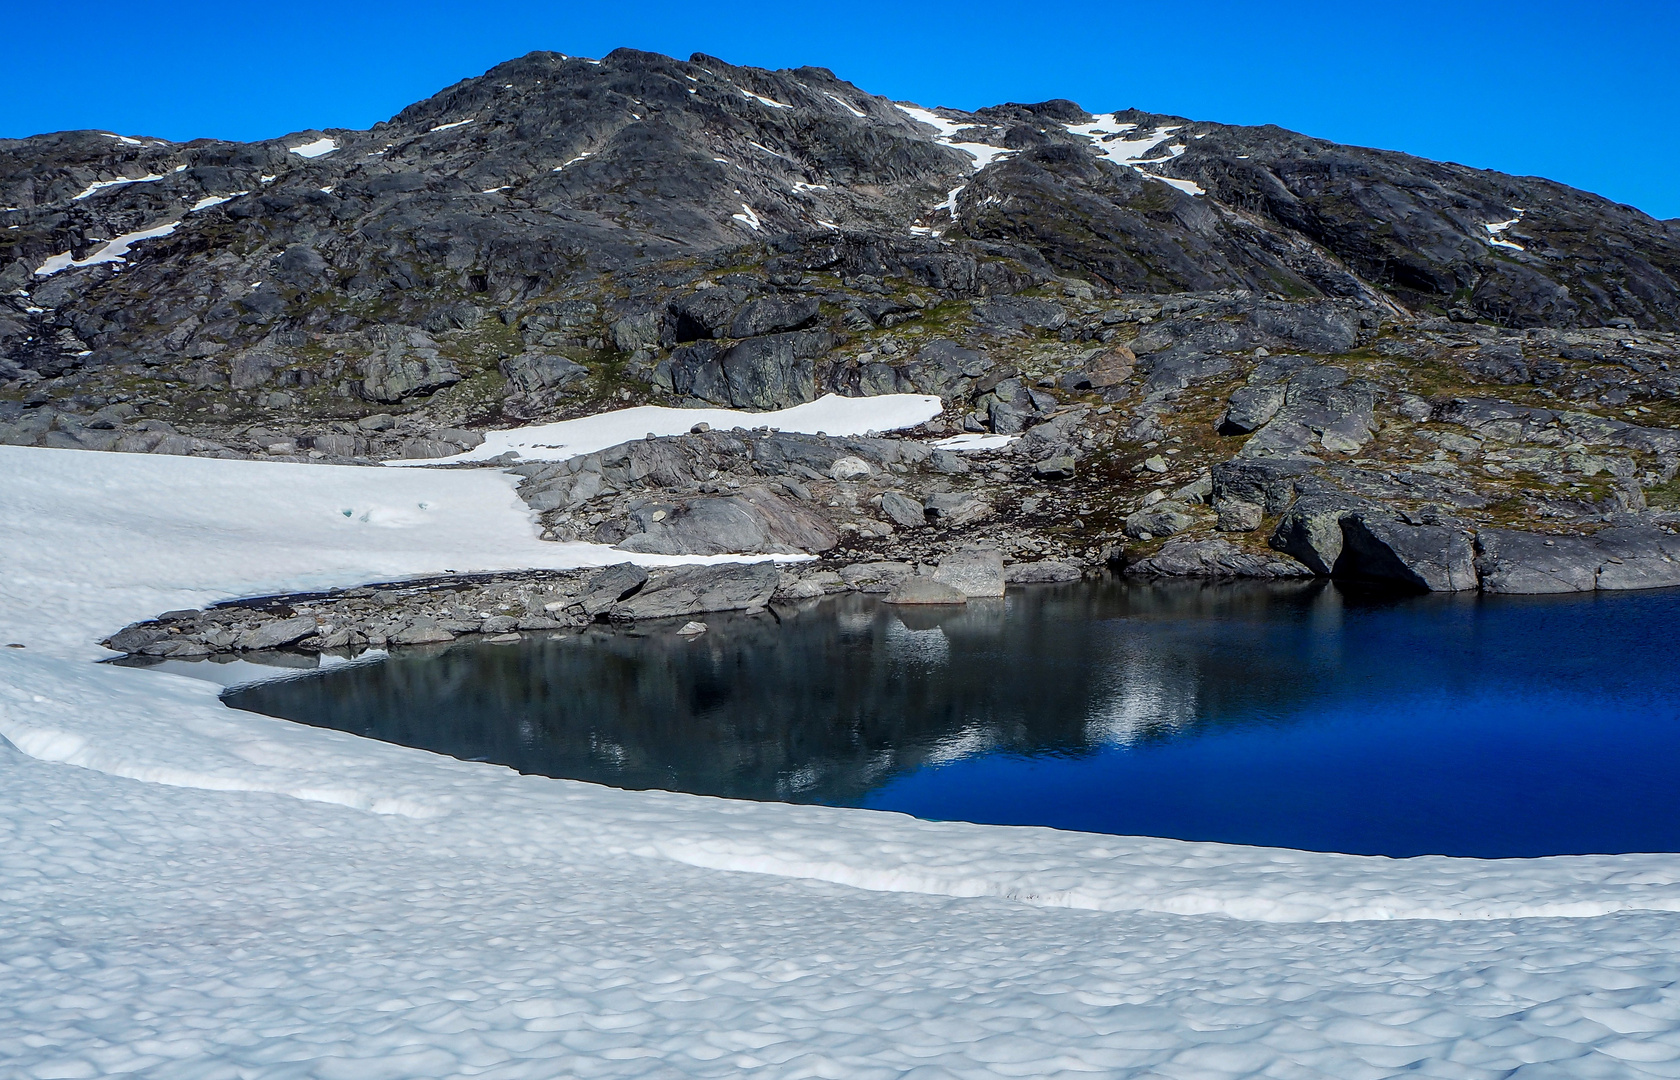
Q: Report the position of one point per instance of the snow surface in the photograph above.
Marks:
(214, 200)
(848, 106)
(748, 218)
(319, 148)
(830, 414)
(121, 181)
(114, 251)
(762, 100)
(974, 442)
(213, 893)
(453, 124)
(1496, 229)
(1111, 136)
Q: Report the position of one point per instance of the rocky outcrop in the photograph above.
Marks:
(754, 521)
(1215, 558)
(1612, 559)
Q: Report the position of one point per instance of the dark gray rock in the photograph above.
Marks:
(754, 521)
(1379, 548)
(1162, 519)
(277, 633)
(903, 511)
(691, 590)
(1214, 558)
(769, 315)
(1636, 557)
(1042, 572)
(533, 372)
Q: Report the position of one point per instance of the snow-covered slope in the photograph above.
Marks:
(217, 894)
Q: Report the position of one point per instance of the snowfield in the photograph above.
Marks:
(190, 891)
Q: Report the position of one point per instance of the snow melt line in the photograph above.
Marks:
(830, 414)
(114, 251)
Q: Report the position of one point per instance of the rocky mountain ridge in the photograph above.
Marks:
(1222, 349)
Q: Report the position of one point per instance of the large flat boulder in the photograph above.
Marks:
(754, 521)
(1635, 557)
(1217, 558)
(690, 590)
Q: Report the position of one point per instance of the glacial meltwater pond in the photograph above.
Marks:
(1300, 715)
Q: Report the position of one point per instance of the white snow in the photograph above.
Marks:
(748, 218)
(848, 106)
(451, 124)
(121, 181)
(762, 100)
(186, 890)
(830, 414)
(573, 161)
(982, 153)
(114, 250)
(214, 200)
(1495, 229)
(1111, 136)
(318, 148)
(496, 190)
(974, 442)
(124, 139)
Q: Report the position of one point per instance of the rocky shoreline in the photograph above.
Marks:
(504, 606)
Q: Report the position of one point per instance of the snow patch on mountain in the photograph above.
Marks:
(114, 251)
(830, 414)
(319, 148)
(121, 181)
(1113, 139)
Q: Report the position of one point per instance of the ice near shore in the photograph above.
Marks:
(187, 890)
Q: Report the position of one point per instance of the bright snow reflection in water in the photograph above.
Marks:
(1297, 716)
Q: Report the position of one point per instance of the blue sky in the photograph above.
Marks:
(1588, 94)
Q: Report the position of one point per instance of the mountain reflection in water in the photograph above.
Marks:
(1296, 714)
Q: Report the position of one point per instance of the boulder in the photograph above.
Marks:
(1636, 557)
(1162, 519)
(534, 372)
(621, 579)
(951, 508)
(421, 631)
(767, 315)
(977, 572)
(1215, 557)
(921, 590)
(754, 521)
(1379, 548)
(1036, 573)
(849, 468)
(875, 576)
(275, 634)
(691, 590)
(903, 511)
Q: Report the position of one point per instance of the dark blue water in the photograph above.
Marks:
(1299, 715)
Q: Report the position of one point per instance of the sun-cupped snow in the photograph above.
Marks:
(1496, 230)
(213, 892)
(830, 414)
(121, 181)
(1111, 136)
(318, 148)
(451, 124)
(113, 251)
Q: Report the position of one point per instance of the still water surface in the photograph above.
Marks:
(1298, 715)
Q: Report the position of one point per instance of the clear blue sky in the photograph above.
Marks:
(1585, 93)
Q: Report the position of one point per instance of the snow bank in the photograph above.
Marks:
(830, 414)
